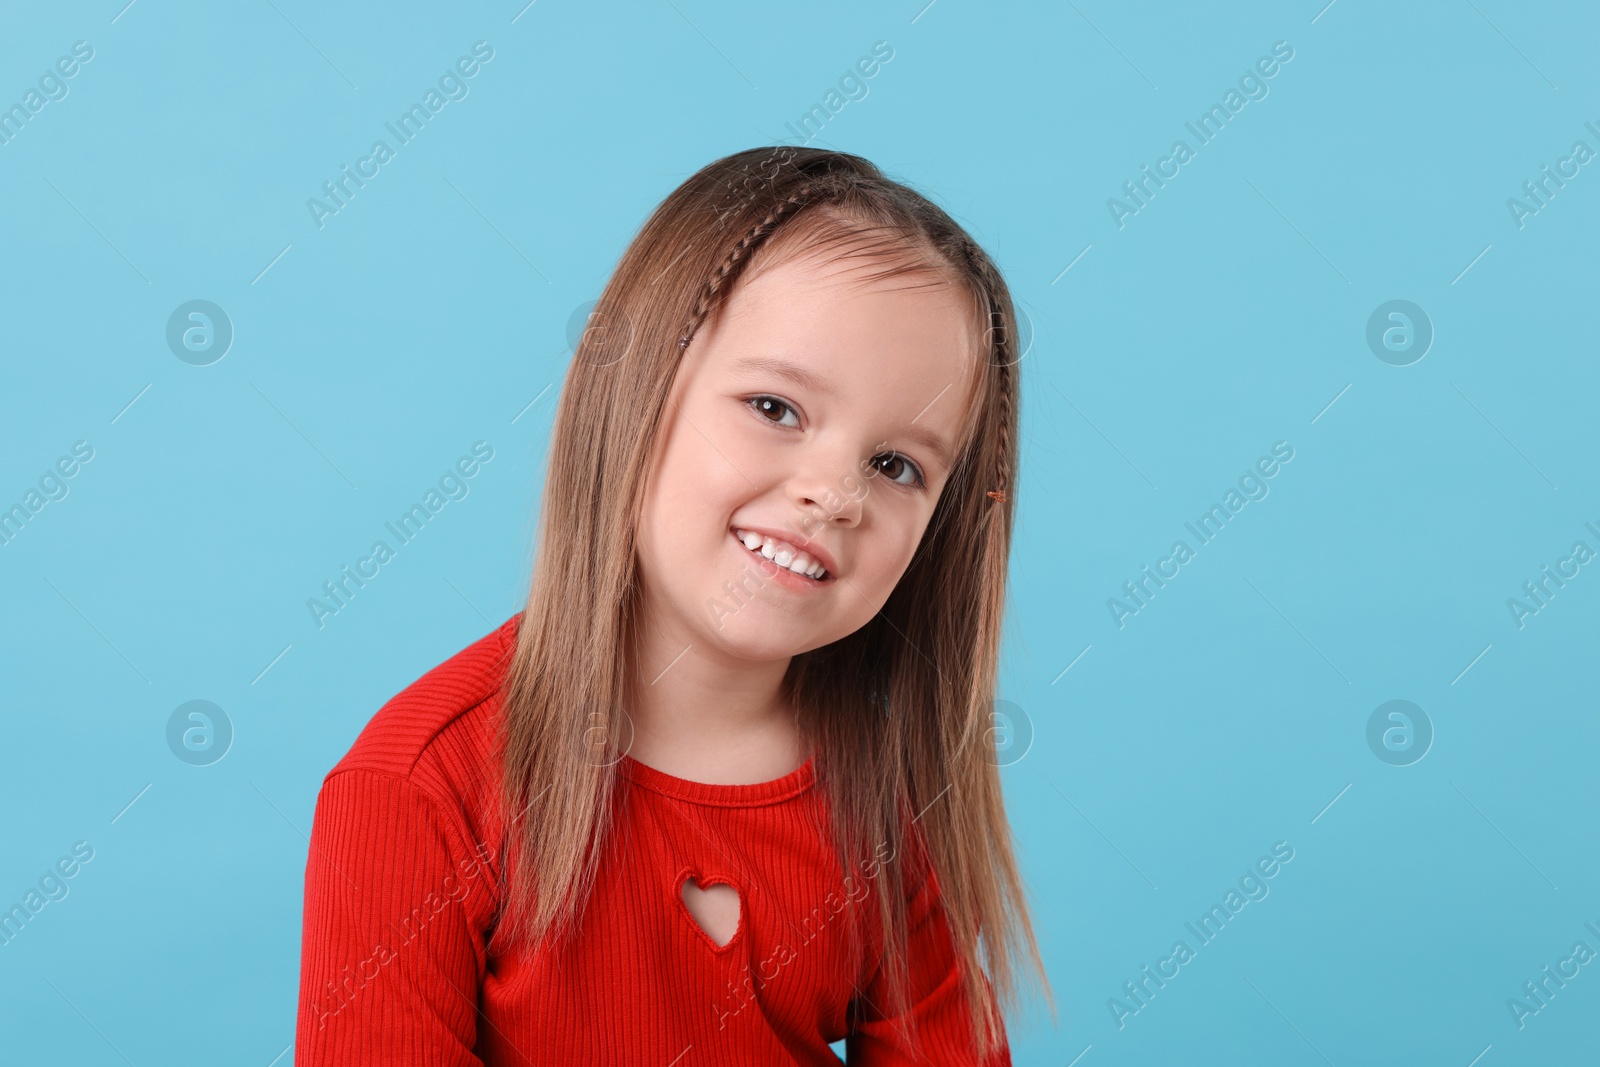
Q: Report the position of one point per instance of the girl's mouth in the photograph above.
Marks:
(783, 558)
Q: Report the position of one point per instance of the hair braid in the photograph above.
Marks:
(1002, 343)
(999, 493)
(736, 255)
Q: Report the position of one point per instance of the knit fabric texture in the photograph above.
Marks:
(404, 883)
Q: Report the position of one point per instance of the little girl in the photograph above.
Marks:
(725, 791)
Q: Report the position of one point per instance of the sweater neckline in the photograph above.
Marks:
(749, 795)
(755, 794)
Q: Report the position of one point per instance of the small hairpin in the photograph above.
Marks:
(997, 494)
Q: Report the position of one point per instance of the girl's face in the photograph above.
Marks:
(820, 410)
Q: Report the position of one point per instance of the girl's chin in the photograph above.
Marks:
(761, 646)
(765, 640)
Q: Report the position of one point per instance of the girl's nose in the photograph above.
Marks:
(831, 494)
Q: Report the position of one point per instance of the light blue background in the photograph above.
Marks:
(1228, 314)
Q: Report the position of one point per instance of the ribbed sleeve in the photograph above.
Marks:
(939, 1019)
(391, 964)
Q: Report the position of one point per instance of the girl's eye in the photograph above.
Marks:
(765, 405)
(917, 481)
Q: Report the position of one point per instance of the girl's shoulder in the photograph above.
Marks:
(436, 733)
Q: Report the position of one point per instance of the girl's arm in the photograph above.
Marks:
(391, 960)
(938, 1004)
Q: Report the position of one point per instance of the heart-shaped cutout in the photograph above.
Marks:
(715, 909)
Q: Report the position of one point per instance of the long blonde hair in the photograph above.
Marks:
(898, 712)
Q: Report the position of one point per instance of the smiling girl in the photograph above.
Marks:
(725, 792)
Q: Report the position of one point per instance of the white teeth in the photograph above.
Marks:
(784, 555)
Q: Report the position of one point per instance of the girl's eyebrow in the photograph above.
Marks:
(931, 441)
(793, 372)
(790, 371)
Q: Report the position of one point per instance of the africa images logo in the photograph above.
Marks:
(452, 85)
(1206, 128)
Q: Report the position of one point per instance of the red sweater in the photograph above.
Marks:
(402, 887)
